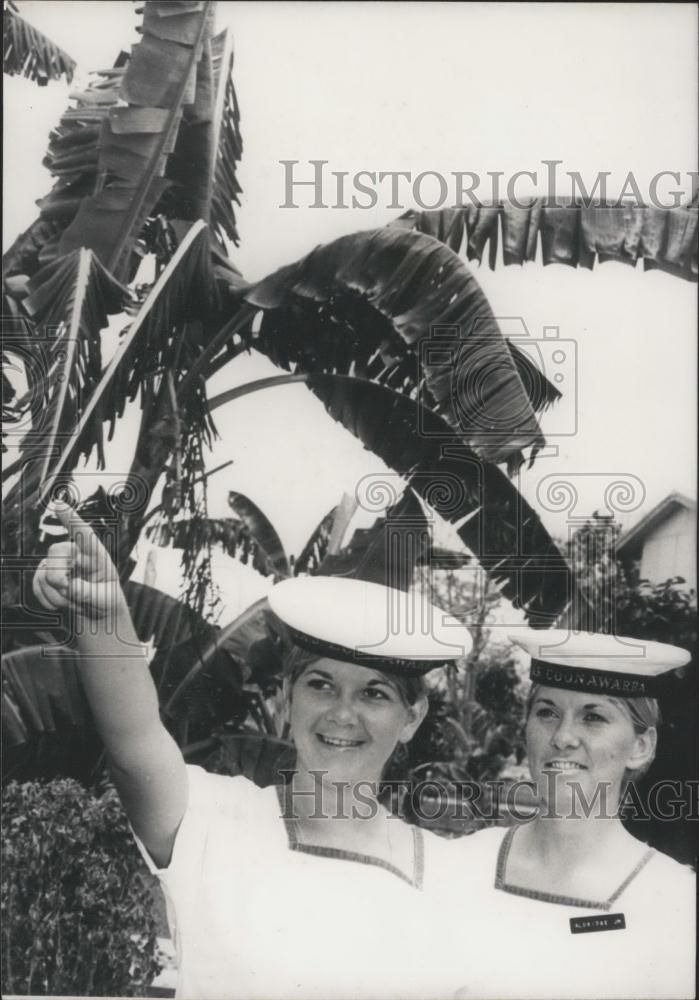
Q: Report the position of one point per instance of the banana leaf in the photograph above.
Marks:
(402, 309)
(47, 726)
(232, 534)
(317, 546)
(74, 296)
(76, 410)
(576, 233)
(202, 167)
(492, 518)
(135, 141)
(109, 153)
(30, 53)
(263, 533)
(388, 551)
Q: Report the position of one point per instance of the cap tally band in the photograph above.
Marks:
(599, 681)
(389, 664)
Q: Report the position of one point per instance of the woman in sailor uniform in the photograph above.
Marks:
(570, 904)
(310, 890)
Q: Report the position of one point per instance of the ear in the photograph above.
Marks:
(416, 713)
(644, 749)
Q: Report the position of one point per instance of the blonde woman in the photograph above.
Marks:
(312, 890)
(574, 904)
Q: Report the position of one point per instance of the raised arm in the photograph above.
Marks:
(144, 760)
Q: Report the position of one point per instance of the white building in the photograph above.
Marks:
(663, 544)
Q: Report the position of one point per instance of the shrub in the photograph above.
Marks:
(75, 896)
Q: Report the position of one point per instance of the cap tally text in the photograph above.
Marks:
(601, 681)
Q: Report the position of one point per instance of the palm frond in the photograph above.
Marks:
(402, 309)
(135, 141)
(44, 710)
(110, 152)
(157, 341)
(72, 159)
(492, 518)
(29, 53)
(159, 618)
(229, 653)
(46, 722)
(202, 167)
(327, 537)
(228, 145)
(540, 392)
(198, 694)
(33, 248)
(262, 531)
(388, 551)
(177, 288)
(69, 301)
(232, 534)
(167, 332)
(105, 161)
(41, 691)
(575, 233)
(316, 548)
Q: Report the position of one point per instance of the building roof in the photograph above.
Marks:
(670, 505)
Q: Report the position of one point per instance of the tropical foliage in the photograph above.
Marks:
(388, 328)
(29, 53)
(577, 233)
(215, 683)
(475, 724)
(77, 907)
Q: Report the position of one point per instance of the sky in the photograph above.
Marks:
(439, 87)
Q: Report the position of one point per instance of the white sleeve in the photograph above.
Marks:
(210, 797)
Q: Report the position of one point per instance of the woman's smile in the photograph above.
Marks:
(346, 719)
(337, 743)
(563, 765)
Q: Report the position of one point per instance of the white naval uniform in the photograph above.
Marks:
(255, 914)
(526, 948)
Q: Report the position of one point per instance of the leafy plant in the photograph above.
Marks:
(577, 233)
(29, 53)
(75, 897)
(144, 167)
(485, 700)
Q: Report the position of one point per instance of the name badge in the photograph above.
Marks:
(601, 922)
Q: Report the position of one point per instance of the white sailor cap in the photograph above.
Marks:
(369, 624)
(589, 661)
